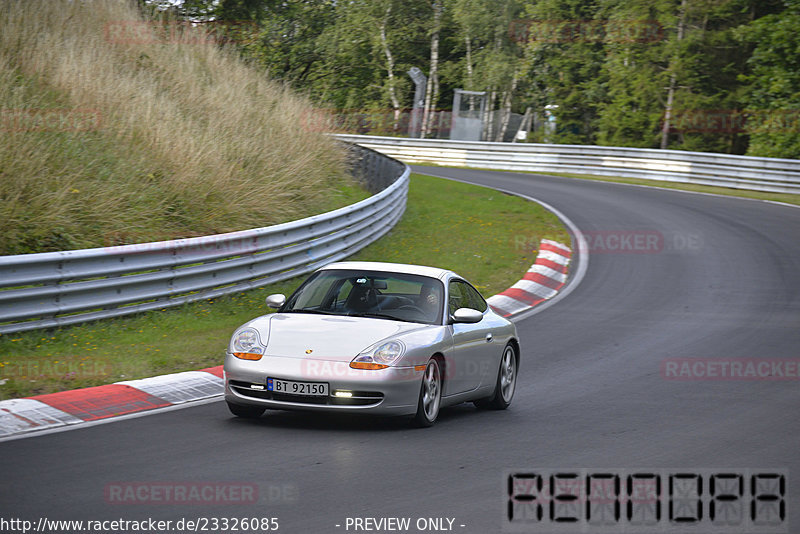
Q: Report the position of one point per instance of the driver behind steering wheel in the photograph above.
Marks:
(429, 302)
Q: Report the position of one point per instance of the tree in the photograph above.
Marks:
(565, 57)
(651, 73)
(492, 60)
(432, 88)
(773, 83)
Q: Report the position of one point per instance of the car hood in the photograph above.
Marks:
(328, 337)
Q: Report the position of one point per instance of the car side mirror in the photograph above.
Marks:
(276, 301)
(467, 315)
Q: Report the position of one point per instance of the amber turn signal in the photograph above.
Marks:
(247, 356)
(367, 365)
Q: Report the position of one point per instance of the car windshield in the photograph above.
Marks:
(376, 294)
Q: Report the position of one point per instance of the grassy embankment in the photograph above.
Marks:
(114, 129)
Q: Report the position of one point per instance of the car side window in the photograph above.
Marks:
(475, 300)
(463, 295)
(456, 297)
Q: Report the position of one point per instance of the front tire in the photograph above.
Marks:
(247, 412)
(506, 382)
(430, 396)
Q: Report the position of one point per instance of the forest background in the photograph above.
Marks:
(705, 75)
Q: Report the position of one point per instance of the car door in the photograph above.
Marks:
(470, 361)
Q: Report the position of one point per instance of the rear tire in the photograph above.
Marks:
(506, 382)
(247, 412)
(430, 396)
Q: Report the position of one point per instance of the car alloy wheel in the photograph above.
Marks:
(508, 375)
(430, 395)
(506, 382)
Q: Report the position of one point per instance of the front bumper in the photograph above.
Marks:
(390, 391)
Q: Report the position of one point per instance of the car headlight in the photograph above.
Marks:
(246, 344)
(379, 356)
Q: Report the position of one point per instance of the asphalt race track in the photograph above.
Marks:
(713, 278)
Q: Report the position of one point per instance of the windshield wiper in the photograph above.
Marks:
(376, 316)
(302, 310)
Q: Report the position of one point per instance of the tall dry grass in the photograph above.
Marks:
(174, 137)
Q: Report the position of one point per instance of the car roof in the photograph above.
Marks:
(433, 272)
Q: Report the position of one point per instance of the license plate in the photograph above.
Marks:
(308, 389)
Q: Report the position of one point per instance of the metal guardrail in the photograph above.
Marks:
(60, 288)
(739, 172)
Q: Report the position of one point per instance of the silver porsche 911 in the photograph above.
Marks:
(378, 338)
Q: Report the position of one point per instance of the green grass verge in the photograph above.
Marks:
(486, 236)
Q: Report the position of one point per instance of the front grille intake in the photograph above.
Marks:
(255, 391)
